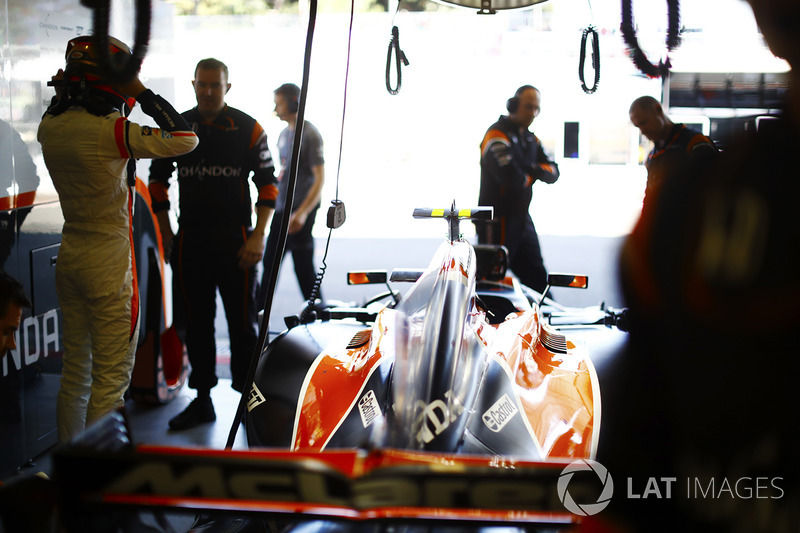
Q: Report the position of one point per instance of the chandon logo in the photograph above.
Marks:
(500, 413)
(585, 509)
(214, 171)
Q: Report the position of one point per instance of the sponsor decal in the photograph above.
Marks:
(368, 408)
(37, 338)
(303, 481)
(281, 483)
(147, 131)
(214, 171)
(437, 416)
(255, 398)
(499, 414)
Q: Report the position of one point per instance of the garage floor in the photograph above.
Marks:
(149, 425)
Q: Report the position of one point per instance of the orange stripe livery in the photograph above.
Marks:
(120, 131)
(135, 280)
(332, 387)
(491, 137)
(268, 192)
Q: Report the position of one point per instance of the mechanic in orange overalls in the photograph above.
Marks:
(512, 160)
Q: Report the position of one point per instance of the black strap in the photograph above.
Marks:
(394, 46)
(595, 59)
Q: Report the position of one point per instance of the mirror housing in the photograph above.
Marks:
(574, 281)
(367, 277)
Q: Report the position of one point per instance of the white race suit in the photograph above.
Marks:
(86, 155)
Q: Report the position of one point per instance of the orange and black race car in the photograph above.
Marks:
(461, 363)
(454, 404)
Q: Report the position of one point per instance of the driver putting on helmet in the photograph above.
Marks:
(90, 149)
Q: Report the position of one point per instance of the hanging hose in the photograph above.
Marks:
(308, 313)
(336, 212)
(279, 251)
(394, 47)
(101, 16)
(595, 59)
(637, 54)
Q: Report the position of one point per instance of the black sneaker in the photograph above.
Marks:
(200, 411)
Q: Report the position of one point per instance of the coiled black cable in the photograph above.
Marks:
(308, 313)
(637, 54)
(126, 71)
(595, 59)
(394, 47)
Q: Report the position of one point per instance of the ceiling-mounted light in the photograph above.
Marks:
(488, 7)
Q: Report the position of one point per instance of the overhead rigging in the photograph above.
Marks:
(490, 7)
(590, 31)
(128, 68)
(336, 211)
(400, 56)
(637, 54)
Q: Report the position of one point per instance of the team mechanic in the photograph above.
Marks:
(676, 147)
(680, 154)
(216, 246)
(512, 159)
(89, 148)
(308, 188)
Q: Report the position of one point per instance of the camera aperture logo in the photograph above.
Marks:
(584, 508)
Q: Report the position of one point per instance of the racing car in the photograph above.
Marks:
(453, 405)
(464, 362)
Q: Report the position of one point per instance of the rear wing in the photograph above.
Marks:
(453, 215)
(375, 485)
(495, 258)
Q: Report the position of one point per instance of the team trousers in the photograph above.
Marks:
(518, 234)
(301, 244)
(202, 263)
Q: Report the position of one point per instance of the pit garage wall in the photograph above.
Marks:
(30, 226)
(33, 35)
